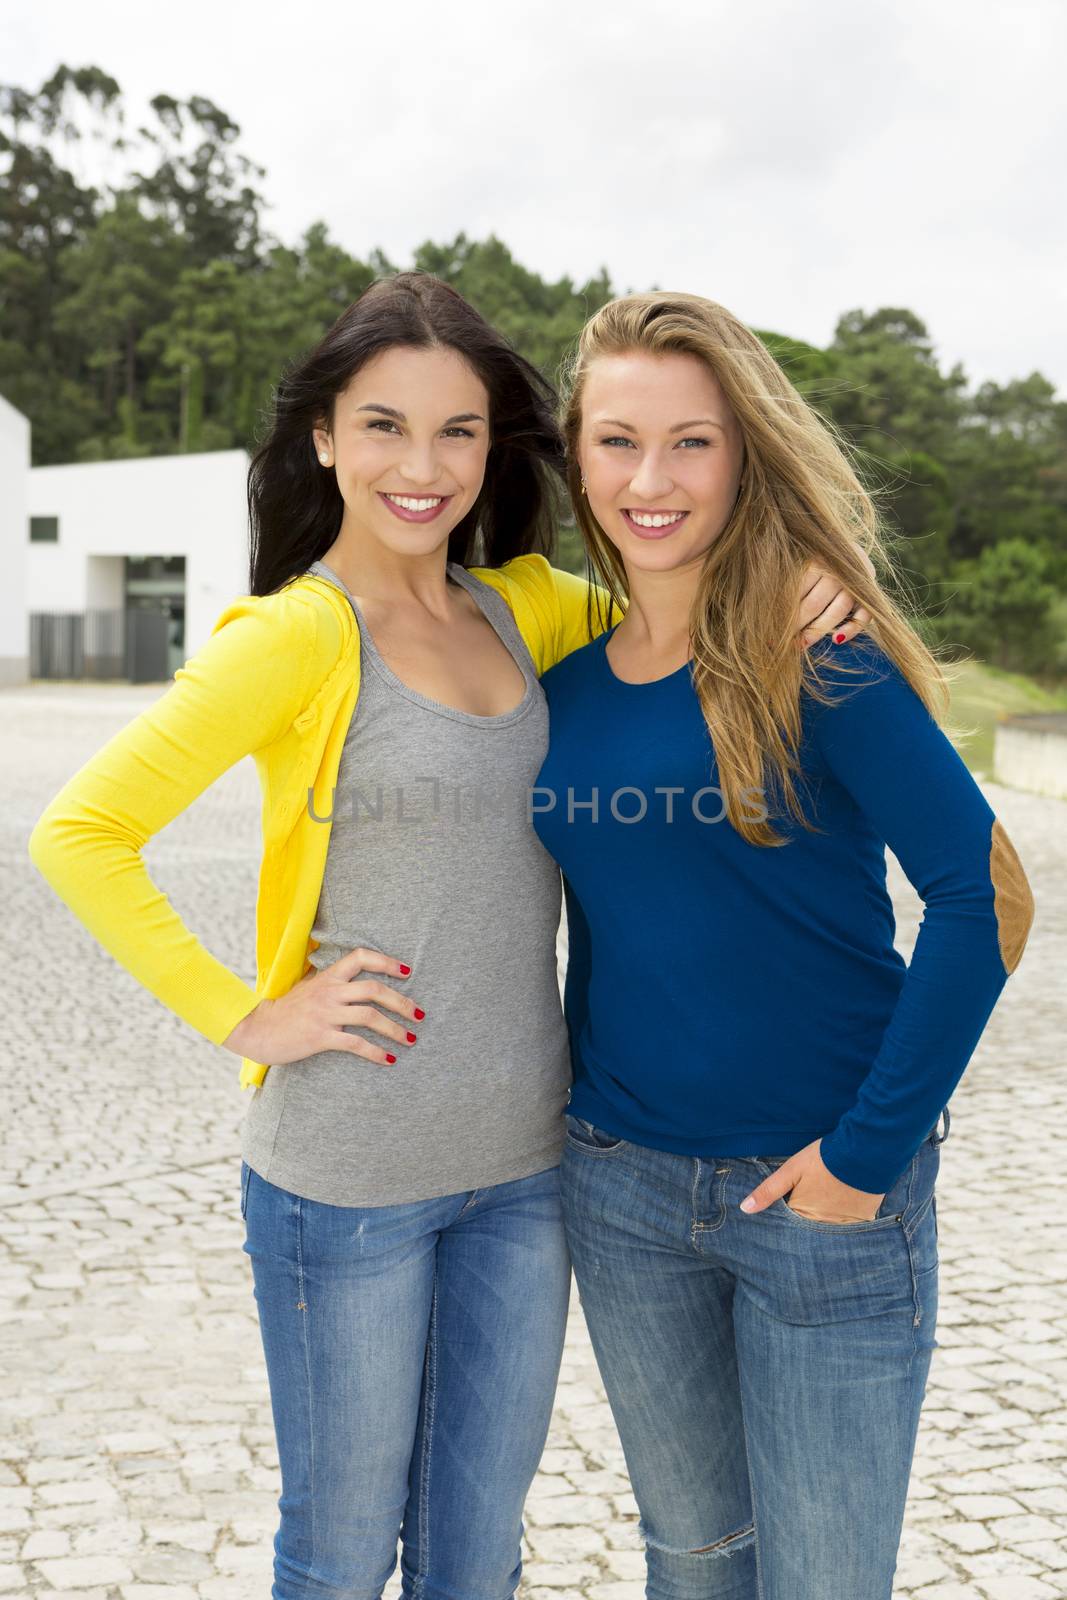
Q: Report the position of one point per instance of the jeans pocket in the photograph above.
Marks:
(893, 1209)
(246, 1173)
(586, 1136)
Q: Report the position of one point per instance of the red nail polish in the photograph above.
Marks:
(412, 1037)
(839, 638)
(404, 970)
(390, 1059)
(419, 1014)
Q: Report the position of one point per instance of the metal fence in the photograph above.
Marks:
(131, 644)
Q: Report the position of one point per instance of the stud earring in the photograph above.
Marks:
(323, 460)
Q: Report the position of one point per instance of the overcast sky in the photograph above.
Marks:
(792, 161)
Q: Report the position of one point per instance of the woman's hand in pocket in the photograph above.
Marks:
(813, 1191)
(315, 1012)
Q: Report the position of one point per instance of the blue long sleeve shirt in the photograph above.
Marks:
(729, 998)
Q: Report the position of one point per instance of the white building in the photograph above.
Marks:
(14, 536)
(159, 533)
(84, 545)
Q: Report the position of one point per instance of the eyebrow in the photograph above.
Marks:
(390, 411)
(695, 423)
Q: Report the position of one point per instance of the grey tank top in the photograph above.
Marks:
(432, 858)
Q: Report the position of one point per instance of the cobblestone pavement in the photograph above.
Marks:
(136, 1450)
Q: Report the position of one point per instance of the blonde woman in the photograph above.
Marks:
(404, 1042)
(753, 1133)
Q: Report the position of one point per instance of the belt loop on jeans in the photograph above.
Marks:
(948, 1122)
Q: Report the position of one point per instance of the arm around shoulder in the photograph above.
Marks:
(571, 602)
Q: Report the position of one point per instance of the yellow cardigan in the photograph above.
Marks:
(277, 679)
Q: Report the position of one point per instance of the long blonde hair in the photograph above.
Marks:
(800, 500)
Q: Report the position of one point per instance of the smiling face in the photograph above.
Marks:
(661, 452)
(409, 443)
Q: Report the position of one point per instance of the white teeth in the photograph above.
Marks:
(414, 505)
(645, 521)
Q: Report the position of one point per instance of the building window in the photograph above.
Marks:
(44, 530)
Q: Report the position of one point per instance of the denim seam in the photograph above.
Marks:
(910, 1226)
(917, 1318)
(699, 1228)
(904, 1228)
(302, 1307)
(913, 1222)
(427, 1444)
(760, 1592)
(909, 1234)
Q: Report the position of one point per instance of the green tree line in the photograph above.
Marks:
(151, 313)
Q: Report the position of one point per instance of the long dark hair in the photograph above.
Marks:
(295, 508)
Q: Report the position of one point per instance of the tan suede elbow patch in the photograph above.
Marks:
(1013, 902)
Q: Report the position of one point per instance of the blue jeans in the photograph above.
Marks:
(765, 1372)
(412, 1353)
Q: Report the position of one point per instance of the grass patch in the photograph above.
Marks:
(982, 695)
